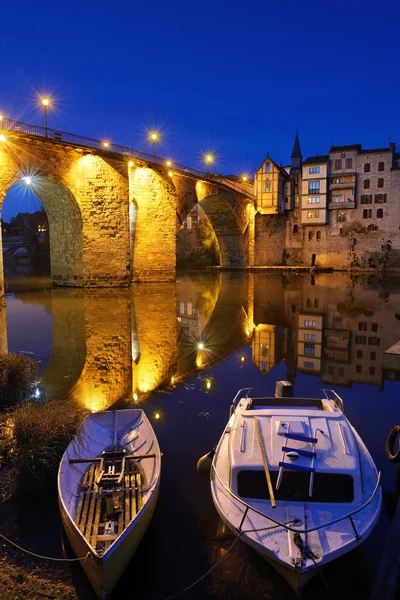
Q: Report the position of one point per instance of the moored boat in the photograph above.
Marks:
(108, 483)
(294, 480)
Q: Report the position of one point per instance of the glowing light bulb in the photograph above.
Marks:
(131, 163)
(45, 102)
(2, 138)
(157, 415)
(135, 397)
(106, 144)
(170, 173)
(168, 163)
(172, 379)
(242, 358)
(200, 346)
(27, 180)
(208, 384)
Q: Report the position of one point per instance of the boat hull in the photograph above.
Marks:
(104, 573)
(296, 579)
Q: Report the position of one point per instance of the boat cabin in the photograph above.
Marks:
(310, 449)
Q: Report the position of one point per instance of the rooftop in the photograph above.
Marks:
(316, 160)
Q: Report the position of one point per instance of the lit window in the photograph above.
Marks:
(310, 324)
(267, 185)
(312, 170)
(313, 187)
(267, 167)
(314, 200)
(309, 349)
(309, 337)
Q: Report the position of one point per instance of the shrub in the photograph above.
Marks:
(16, 375)
(33, 437)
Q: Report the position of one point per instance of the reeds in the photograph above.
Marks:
(16, 376)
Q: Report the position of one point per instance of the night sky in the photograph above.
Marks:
(233, 77)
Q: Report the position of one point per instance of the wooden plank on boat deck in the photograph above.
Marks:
(96, 521)
(83, 488)
(92, 505)
(138, 491)
(387, 580)
(127, 502)
(86, 502)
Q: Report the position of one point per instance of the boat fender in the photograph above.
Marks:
(204, 464)
(391, 452)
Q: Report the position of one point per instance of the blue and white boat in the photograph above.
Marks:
(294, 480)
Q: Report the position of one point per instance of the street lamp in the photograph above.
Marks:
(3, 138)
(154, 137)
(45, 104)
(209, 160)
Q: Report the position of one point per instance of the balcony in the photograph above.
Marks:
(345, 185)
(342, 205)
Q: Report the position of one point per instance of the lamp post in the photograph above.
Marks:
(209, 161)
(154, 137)
(45, 104)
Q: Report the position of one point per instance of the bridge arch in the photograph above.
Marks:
(65, 226)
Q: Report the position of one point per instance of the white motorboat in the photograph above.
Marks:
(294, 480)
(108, 484)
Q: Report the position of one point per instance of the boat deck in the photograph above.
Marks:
(104, 512)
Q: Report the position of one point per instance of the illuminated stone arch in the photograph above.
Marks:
(86, 199)
(227, 212)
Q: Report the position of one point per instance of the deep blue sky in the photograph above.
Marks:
(237, 77)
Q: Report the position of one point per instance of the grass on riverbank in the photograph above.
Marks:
(33, 437)
(16, 375)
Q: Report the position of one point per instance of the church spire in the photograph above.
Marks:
(296, 153)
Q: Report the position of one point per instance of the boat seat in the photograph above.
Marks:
(294, 467)
(300, 438)
(299, 451)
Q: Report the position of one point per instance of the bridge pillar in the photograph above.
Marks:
(152, 226)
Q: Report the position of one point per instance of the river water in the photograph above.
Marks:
(181, 351)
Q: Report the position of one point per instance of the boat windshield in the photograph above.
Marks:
(328, 487)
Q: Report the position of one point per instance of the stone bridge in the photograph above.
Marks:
(114, 212)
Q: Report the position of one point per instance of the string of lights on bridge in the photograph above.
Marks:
(208, 158)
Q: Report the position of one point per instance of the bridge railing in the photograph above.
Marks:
(130, 153)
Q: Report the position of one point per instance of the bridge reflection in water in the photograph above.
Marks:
(125, 343)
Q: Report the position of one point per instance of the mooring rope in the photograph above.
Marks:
(84, 559)
(189, 587)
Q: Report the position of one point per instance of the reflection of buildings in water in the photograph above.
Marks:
(195, 301)
(333, 326)
(309, 342)
(266, 346)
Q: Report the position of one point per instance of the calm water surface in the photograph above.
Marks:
(106, 348)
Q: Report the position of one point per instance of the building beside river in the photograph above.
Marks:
(339, 210)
